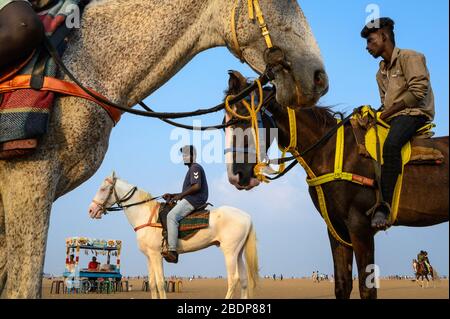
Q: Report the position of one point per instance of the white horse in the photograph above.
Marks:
(125, 50)
(229, 227)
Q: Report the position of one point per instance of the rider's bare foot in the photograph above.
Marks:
(379, 220)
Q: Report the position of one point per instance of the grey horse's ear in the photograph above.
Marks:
(113, 174)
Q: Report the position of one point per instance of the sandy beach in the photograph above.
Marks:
(267, 289)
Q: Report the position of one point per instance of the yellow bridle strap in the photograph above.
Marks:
(235, 42)
(253, 7)
(291, 148)
(260, 17)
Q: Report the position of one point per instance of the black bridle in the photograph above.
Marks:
(267, 76)
(118, 201)
(293, 158)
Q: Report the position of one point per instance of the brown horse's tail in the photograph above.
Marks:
(435, 274)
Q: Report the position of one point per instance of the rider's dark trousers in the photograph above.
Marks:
(403, 128)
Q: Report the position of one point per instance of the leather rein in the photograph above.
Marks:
(274, 58)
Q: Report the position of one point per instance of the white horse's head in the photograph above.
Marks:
(302, 80)
(103, 199)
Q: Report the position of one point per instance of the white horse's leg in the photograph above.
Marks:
(159, 274)
(232, 271)
(151, 278)
(3, 255)
(27, 214)
(243, 276)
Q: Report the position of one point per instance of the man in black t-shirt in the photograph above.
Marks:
(193, 195)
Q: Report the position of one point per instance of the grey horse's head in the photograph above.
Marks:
(302, 80)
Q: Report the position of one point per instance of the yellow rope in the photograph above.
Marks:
(247, 106)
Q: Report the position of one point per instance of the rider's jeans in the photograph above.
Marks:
(403, 128)
(181, 210)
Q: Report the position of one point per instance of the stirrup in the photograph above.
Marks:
(377, 206)
(164, 247)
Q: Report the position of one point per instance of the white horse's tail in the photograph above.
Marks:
(251, 259)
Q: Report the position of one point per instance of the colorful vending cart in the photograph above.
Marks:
(98, 249)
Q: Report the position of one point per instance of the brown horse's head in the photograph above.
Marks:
(241, 151)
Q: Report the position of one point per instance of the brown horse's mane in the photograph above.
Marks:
(324, 114)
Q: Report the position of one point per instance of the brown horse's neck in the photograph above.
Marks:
(312, 125)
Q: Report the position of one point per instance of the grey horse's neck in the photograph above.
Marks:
(127, 49)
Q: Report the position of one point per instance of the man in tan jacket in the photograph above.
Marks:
(407, 103)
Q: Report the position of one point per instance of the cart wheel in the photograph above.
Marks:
(87, 286)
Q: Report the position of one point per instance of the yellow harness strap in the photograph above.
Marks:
(338, 174)
(314, 181)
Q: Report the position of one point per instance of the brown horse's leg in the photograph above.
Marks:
(343, 262)
(364, 248)
(362, 238)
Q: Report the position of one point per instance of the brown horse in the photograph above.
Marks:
(421, 271)
(424, 198)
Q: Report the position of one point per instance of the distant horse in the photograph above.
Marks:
(421, 271)
(229, 227)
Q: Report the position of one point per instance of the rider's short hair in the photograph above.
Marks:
(386, 24)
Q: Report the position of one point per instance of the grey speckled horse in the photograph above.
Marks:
(127, 49)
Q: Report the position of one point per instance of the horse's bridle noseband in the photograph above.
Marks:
(118, 201)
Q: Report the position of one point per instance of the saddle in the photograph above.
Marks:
(195, 221)
(188, 226)
(418, 151)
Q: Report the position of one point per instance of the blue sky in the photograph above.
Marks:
(291, 234)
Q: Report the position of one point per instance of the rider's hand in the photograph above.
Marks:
(167, 197)
(176, 197)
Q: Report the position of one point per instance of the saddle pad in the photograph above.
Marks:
(24, 114)
(192, 223)
(371, 144)
(419, 150)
